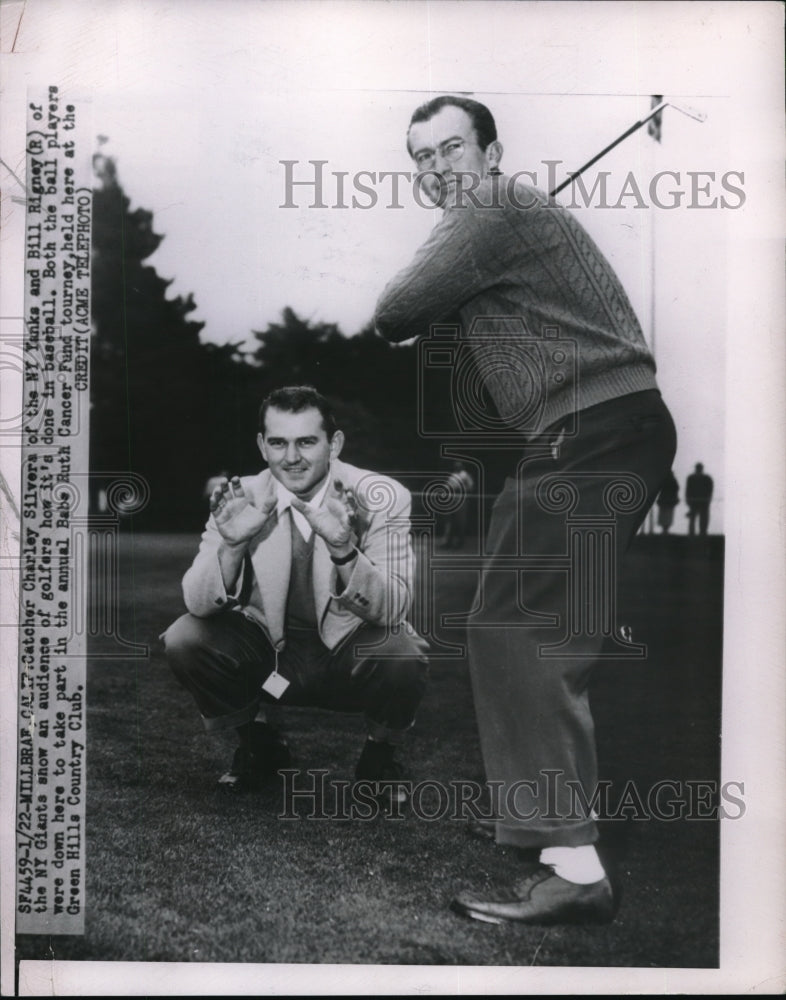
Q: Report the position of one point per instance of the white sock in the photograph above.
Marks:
(575, 864)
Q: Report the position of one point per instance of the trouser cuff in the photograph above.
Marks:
(219, 723)
(385, 734)
(564, 835)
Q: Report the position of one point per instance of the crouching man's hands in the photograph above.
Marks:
(235, 515)
(334, 520)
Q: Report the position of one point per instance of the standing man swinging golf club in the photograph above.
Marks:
(511, 268)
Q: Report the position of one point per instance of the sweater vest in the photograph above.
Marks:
(301, 607)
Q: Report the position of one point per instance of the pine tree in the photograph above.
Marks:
(151, 377)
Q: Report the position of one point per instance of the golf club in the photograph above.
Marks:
(683, 109)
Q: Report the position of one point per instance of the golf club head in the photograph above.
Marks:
(697, 116)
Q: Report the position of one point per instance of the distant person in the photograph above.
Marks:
(667, 500)
(460, 485)
(698, 495)
(298, 567)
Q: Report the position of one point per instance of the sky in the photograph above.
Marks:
(200, 100)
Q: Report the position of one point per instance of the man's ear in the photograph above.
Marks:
(336, 444)
(261, 445)
(494, 152)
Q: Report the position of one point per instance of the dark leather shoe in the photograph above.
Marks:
(541, 897)
(251, 769)
(377, 764)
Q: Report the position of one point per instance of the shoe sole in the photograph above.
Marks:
(573, 915)
(230, 784)
(234, 784)
(466, 911)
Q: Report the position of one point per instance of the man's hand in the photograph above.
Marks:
(236, 517)
(334, 520)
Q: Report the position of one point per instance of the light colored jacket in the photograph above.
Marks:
(379, 591)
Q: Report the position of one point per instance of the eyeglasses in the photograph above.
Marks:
(450, 151)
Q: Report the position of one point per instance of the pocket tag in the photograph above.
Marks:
(275, 685)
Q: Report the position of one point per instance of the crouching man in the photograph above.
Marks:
(299, 595)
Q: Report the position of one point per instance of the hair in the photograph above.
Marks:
(295, 399)
(482, 119)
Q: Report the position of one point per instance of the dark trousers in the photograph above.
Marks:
(223, 661)
(533, 640)
(698, 509)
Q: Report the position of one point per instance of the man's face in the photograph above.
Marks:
(446, 146)
(296, 447)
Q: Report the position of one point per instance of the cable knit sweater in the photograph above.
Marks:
(517, 280)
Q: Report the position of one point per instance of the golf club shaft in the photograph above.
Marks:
(634, 128)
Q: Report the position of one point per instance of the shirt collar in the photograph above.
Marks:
(285, 498)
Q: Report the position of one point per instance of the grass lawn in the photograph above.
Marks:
(177, 872)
